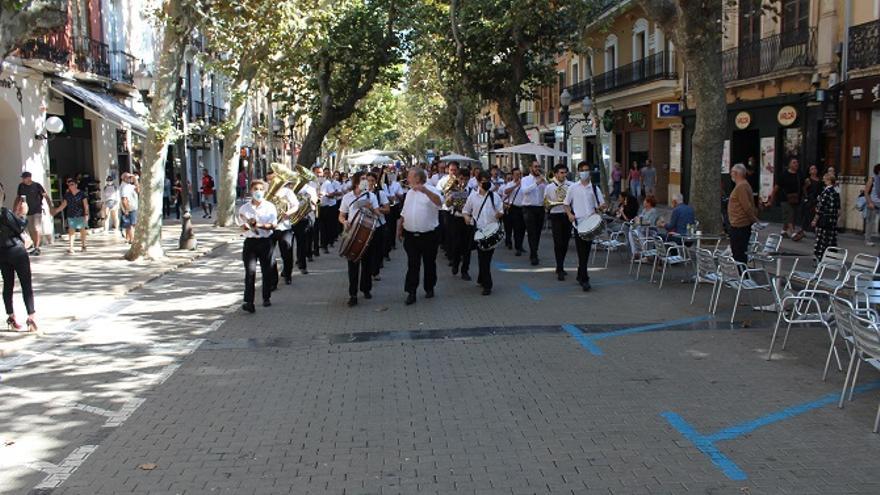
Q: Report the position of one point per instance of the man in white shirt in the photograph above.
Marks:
(330, 193)
(513, 198)
(533, 208)
(110, 205)
(128, 196)
(302, 230)
(417, 229)
(460, 233)
(258, 218)
(484, 208)
(442, 185)
(315, 229)
(395, 196)
(440, 174)
(383, 231)
(473, 181)
(360, 273)
(583, 200)
(559, 224)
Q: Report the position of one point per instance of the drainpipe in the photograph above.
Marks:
(847, 23)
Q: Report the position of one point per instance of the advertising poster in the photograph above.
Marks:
(768, 166)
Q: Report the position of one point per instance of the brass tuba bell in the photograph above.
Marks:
(283, 175)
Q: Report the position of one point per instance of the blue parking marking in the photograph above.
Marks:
(706, 443)
(532, 293)
(588, 341)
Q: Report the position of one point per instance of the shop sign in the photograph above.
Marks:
(786, 116)
(667, 110)
(743, 120)
(636, 118)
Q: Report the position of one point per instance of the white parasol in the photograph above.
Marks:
(531, 149)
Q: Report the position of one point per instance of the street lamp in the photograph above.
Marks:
(143, 81)
(565, 102)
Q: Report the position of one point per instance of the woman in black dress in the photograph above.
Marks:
(14, 261)
(825, 219)
(812, 187)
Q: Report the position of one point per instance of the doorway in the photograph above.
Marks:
(743, 146)
(660, 157)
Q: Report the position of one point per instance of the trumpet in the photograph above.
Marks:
(559, 200)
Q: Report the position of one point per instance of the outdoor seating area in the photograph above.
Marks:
(840, 295)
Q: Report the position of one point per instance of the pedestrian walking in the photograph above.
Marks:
(34, 193)
(811, 189)
(635, 180)
(75, 204)
(741, 212)
(788, 190)
(825, 219)
(128, 201)
(110, 205)
(482, 210)
(177, 195)
(241, 186)
(14, 260)
(166, 198)
(649, 178)
(207, 192)
(418, 231)
(616, 179)
(532, 191)
(872, 206)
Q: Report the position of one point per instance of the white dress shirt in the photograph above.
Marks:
(348, 207)
(286, 193)
(516, 197)
(310, 191)
(419, 213)
(383, 201)
(328, 188)
(533, 193)
(472, 184)
(550, 195)
(435, 179)
(264, 213)
(582, 200)
(489, 211)
(497, 184)
(393, 190)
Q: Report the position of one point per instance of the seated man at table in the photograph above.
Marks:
(682, 216)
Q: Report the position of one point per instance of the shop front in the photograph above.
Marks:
(860, 101)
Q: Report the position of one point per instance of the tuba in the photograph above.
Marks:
(561, 192)
(283, 175)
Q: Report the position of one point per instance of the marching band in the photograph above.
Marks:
(450, 208)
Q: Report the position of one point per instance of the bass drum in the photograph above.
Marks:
(357, 238)
(590, 227)
(489, 237)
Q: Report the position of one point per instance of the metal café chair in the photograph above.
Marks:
(833, 261)
(762, 252)
(738, 276)
(707, 272)
(863, 265)
(647, 250)
(668, 253)
(614, 241)
(866, 339)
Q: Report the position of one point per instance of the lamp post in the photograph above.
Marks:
(564, 102)
(187, 240)
(490, 141)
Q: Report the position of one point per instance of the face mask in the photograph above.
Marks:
(259, 195)
(584, 175)
(485, 185)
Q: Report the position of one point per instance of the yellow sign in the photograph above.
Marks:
(786, 116)
(742, 120)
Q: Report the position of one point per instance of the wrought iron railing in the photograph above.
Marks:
(580, 90)
(770, 55)
(196, 109)
(864, 45)
(52, 47)
(654, 67)
(123, 67)
(91, 56)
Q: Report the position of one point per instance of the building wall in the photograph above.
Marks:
(103, 146)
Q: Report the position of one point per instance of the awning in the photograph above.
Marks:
(101, 103)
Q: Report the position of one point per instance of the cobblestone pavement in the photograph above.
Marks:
(538, 388)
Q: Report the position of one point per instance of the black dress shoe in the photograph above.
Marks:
(367, 295)
(326, 251)
(560, 276)
(586, 286)
(310, 259)
(352, 301)
(303, 271)
(410, 298)
(249, 307)
(288, 280)
(534, 261)
(454, 270)
(429, 294)
(465, 276)
(518, 253)
(266, 303)
(486, 292)
(387, 258)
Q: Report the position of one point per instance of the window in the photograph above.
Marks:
(640, 40)
(749, 23)
(575, 73)
(610, 53)
(795, 21)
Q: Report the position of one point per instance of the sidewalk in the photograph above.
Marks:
(73, 287)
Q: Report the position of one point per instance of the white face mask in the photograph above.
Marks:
(584, 175)
(258, 195)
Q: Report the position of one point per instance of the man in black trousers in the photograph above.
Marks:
(417, 228)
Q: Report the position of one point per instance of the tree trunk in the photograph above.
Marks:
(509, 113)
(231, 147)
(311, 147)
(17, 24)
(463, 142)
(148, 231)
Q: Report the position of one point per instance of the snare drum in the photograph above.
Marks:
(590, 227)
(489, 237)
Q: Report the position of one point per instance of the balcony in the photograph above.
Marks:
(580, 90)
(123, 67)
(659, 66)
(864, 45)
(52, 47)
(91, 56)
(196, 110)
(772, 55)
(216, 114)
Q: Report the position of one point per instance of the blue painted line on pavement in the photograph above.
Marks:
(583, 339)
(532, 293)
(501, 265)
(706, 443)
(648, 328)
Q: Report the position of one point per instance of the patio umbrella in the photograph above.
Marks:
(369, 160)
(531, 149)
(454, 157)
